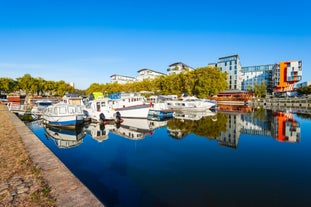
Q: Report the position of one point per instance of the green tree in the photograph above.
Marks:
(260, 90)
(7, 85)
(27, 83)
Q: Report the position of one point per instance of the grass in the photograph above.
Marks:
(16, 162)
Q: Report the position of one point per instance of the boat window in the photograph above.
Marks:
(55, 110)
(62, 110)
(78, 109)
(71, 110)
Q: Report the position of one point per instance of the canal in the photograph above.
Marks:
(256, 158)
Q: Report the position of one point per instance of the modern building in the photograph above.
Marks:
(121, 79)
(148, 73)
(232, 66)
(285, 75)
(178, 67)
(303, 84)
(279, 77)
(256, 75)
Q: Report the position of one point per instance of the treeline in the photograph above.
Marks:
(202, 82)
(304, 90)
(35, 86)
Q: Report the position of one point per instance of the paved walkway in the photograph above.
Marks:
(67, 189)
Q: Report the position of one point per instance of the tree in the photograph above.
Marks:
(7, 85)
(26, 83)
(260, 90)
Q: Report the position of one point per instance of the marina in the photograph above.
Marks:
(217, 160)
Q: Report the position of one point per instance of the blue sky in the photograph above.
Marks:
(87, 41)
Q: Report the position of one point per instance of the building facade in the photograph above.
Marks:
(121, 79)
(232, 66)
(279, 77)
(285, 75)
(178, 67)
(256, 75)
(303, 84)
(147, 73)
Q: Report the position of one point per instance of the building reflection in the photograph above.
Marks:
(65, 138)
(228, 126)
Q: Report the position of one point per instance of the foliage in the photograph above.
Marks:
(209, 127)
(304, 90)
(202, 82)
(260, 90)
(35, 86)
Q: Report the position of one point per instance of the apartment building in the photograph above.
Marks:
(148, 73)
(232, 66)
(279, 77)
(285, 75)
(122, 79)
(178, 67)
(256, 75)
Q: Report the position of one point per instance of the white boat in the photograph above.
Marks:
(158, 107)
(73, 99)
(130, 105)
(63, 115)
(101, 110)
(190, 103)
(40, 105)
(17, 108)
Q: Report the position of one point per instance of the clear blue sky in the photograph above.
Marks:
(87, 41)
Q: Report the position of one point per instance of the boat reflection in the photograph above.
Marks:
(192, 115)
(99, 131)
(227, 127)
(133, 129)
(65, 138)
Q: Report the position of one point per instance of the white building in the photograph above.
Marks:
(147, 73)
(121, 79)
(178, 67)
(231, 64)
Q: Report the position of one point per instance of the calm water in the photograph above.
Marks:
(260, 158)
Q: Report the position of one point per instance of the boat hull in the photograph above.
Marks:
(66, 121)
(134, 111)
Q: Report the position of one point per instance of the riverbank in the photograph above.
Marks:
(31, 175)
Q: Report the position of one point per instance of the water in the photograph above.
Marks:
(260, 158)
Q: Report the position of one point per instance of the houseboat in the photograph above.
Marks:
(63, 115)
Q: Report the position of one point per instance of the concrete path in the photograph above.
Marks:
(68, 189)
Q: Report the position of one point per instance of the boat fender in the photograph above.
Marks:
(102, 117)
(118, 117)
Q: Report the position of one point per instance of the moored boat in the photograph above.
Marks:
(130, 105)
(101, 111)
(40, 105)
(190, 103)
(63, 115)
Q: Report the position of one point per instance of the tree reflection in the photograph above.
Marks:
(210, 126)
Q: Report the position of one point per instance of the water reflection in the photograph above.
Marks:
(133, 129)
(224, 126)
(227, 126)
(140, 163)
(99, 131)
(65, 138)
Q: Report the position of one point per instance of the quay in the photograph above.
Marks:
(30, 171)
